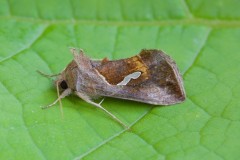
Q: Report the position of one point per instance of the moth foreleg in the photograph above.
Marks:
(87, 99)
(64, 94)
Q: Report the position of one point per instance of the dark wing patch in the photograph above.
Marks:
(115, 71)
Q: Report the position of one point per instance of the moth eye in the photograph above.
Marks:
(64, 85)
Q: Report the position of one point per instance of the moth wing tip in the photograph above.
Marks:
(74, 49)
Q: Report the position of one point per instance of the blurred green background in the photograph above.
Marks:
(201, 36)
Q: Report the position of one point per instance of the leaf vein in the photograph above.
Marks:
(34, 40)
(24, 122)
(113, 137)
(214, 23)
(198, 53)
(187, 9)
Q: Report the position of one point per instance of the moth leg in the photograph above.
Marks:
(87, 99)
(64, 94)
(101, 101)
(48, 75)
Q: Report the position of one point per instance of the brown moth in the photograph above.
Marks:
(150, 77)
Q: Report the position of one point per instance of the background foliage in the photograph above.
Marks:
(202, 36)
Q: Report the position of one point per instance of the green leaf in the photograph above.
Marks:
(201, 36)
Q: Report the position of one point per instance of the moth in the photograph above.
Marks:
(150, 77)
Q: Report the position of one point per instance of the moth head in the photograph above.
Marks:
(66, 80)
(62, 86)
(61, 83)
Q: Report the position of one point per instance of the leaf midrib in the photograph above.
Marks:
(214, 23)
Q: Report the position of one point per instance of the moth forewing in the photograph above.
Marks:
(160, 82)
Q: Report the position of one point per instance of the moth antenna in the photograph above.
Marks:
(98, 105)
(48, 75)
